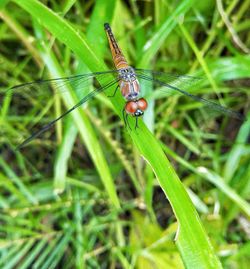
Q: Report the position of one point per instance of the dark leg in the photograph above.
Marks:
(124, 117)
(136, 123)
(128, 122)
(114, 92)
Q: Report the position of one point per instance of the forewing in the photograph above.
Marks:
(183, 81)
(182, 84)
(29, 105)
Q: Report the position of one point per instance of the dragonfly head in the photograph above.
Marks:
(136, 107)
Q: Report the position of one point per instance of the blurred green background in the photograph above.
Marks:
(82, 195)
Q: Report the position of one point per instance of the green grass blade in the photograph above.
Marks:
(22, 189)
(23, 249)
(219, 182)
(159, 37)
(33, 254)
(191, 237)
(237, 151)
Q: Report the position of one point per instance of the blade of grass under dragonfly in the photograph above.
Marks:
(211, 104)
(50, 124)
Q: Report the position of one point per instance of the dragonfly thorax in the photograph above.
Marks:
(127, 74)
(129, 85)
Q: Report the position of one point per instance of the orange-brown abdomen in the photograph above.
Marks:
(118, 58)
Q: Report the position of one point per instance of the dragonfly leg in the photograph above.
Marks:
(136, 123)
(128, 122)
(114, 92)
(125, 118)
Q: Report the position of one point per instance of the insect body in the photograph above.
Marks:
(129, 84)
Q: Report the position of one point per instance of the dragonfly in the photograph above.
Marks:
(126, 79)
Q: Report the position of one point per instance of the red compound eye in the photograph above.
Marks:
(131, 107)
(142, 104)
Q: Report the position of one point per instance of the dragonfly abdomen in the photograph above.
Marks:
(118, 58)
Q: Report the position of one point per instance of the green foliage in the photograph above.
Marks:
(85, 197)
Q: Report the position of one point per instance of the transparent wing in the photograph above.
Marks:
(56, 85)
(29, 105)
(82, 101)
(175, 79)
(172, 82)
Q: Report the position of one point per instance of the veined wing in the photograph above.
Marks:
(29, 100)
(175, 79)
(172, 82)
(82, 101)
(55, 85)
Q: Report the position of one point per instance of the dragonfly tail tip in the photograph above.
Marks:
(106, 26)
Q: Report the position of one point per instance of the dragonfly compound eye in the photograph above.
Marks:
(142, 104)
(131, 107)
